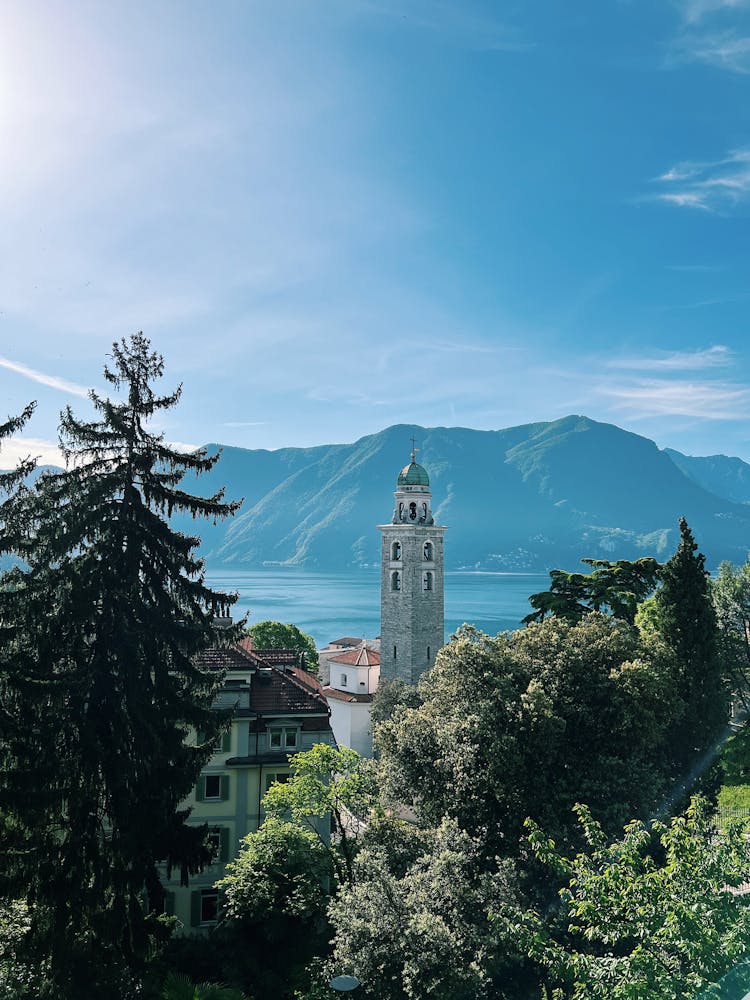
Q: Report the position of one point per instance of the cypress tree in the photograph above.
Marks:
(687, 622)
(108, 612)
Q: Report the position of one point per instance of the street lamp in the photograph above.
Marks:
(344, 984)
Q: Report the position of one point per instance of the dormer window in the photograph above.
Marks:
(429, 554)
(396, 551)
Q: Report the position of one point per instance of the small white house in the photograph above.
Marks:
(354, 675)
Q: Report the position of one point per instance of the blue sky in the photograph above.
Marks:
(336, 215)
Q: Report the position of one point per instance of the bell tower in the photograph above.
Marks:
(412, 627)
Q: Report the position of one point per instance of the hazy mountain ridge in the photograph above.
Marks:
(523, 498)
(526, 497)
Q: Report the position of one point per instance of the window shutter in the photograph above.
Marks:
(224, 844)
(200, 789)
(169, 904)
(226, 741)
(224, 787)
(195, 908)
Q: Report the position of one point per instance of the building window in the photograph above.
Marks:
(427, 581)
(213, 840)
(413, 511)
(395, 580)
(209, 906)
(343, 680)
(428, 654)
(394, 652)
(213, 787)
(396, 551)
(281, 776)
(428, 553)
(282, 739)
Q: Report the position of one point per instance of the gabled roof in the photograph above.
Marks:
(361, 657)
(285, 690)
(348, 640)
(225, 658)
(274, 690)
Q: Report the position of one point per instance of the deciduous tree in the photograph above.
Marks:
(653, 916)
(277, 635)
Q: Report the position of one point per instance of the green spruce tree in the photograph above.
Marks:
(107, 614)
(686, 620)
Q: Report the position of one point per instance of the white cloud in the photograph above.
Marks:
(716, 186)
(182, 446)
(718, 356)
(53, 381)
(654, 397)
(15, 450)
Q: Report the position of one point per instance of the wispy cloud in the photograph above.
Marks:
(52, 381)
(695, 10)
(658, 397)
(715, 33)
(718, 356)
(728, 49)
(713, 186)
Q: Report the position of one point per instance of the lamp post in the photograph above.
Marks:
(344, 984)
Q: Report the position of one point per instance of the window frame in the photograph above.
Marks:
(207, 797)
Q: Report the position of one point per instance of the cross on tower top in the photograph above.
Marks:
(414, 449)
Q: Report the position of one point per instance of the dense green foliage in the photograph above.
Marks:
(277, 635)
(686, 621)
(527, 724)
(730, 592)
(651, 916)
(616, 587)
(99, 685)
(275, 900)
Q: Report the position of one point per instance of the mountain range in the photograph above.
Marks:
(524, 498)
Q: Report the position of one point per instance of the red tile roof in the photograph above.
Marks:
(356, 699)
(361, 657)
(274, 690)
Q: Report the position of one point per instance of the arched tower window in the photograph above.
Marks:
(429, 554)
(396, 580)
(427, 581)
(396, 551)
(413, 511)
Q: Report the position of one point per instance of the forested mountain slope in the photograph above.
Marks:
(526, 497)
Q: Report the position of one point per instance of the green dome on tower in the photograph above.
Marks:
(413, 474)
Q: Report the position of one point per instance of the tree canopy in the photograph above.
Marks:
(656, 915)
(528, 723)
(616, 587)
(277, 635)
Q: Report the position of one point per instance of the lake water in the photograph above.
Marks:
(331, 605)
